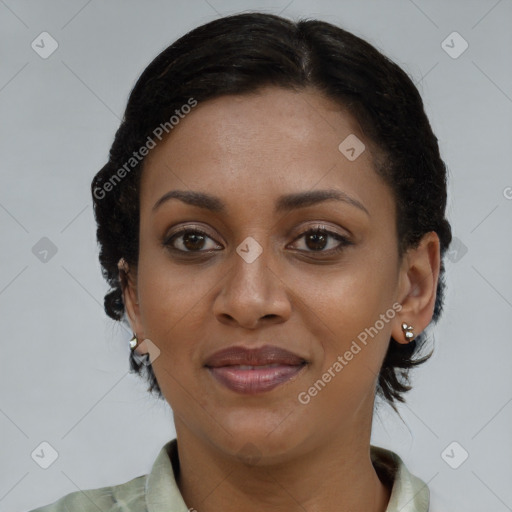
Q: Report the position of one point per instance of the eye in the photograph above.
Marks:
(194, 240)
(318, 238)
(189, 240)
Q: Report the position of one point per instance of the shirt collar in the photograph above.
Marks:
(409, 493)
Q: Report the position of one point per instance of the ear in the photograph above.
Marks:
(128, 279)
(419, 274)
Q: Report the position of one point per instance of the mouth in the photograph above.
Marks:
(252, 371)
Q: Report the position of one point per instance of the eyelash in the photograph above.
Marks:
(316, 230)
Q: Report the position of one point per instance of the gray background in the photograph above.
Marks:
(64, 377)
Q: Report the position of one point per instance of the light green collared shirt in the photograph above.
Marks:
(158, 491)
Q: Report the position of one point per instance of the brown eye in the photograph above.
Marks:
(189, 240)
(317, 239)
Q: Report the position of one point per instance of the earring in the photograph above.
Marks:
(407, 330)
(141, 359)
(134, 342)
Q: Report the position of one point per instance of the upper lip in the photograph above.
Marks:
(240, 355)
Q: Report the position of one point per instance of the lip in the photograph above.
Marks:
(254, 370)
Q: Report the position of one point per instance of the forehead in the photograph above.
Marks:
(262, 144)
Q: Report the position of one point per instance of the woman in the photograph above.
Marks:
(271, 222)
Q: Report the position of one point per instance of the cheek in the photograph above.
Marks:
(174, 308)
(351, 294)
(170, 309)
(343, 311)
(351, 342)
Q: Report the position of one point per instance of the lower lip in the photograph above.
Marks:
(254, 381)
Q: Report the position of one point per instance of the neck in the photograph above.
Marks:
(336, 476)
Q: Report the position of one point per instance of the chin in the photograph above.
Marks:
(257, 441)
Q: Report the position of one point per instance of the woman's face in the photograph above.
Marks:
(258, 277)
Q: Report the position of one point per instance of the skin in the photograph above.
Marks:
(269, 451)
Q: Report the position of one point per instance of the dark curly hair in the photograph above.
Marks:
(240, 54)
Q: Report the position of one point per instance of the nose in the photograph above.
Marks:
(252, 293)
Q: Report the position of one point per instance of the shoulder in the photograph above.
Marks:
(124, 497)
(157, 490)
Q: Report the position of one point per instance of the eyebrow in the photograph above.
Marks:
(284, 203)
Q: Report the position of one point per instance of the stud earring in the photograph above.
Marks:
(134, 342)
(408, 332)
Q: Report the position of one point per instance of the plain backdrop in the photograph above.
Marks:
(64, 376)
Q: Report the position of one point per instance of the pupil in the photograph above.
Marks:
(317, 236)
(196, 239)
